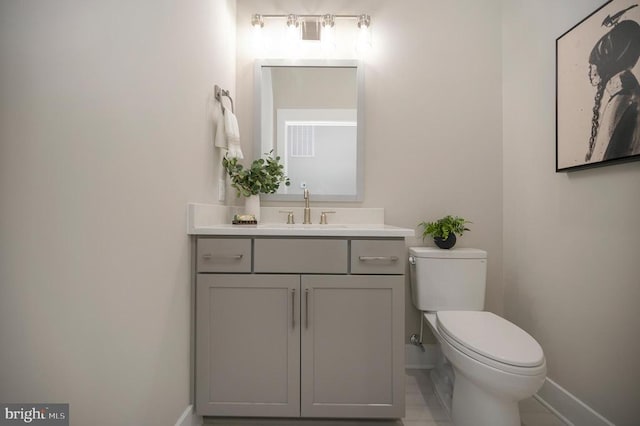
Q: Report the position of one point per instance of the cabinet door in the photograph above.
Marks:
(352, 346)
(248, 345)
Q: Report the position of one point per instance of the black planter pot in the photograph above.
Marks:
(445, 244)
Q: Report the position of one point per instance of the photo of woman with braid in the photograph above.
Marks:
(615, 125)
(598, 89)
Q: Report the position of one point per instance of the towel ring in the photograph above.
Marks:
(219, 93)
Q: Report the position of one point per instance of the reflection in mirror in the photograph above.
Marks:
(309, 113)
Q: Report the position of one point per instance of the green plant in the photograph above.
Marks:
(264, 176)
(441, 228)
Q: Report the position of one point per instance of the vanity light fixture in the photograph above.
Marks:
(327, 20)
(310, 28)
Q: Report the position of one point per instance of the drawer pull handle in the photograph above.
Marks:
(306, 308)
(209, 256)
(293, 308)
(374, 258)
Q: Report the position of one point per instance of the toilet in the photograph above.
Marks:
(489, 364)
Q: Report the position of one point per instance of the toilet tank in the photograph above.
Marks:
(445, 280)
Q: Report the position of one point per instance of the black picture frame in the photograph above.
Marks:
(597, 91)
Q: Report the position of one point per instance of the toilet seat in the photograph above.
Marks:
(491, 340)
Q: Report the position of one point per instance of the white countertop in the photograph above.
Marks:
(299, 230)
(207, 219)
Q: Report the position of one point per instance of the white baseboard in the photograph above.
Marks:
(415, 358)
(570, 409)
(554, 397)
(189, 418)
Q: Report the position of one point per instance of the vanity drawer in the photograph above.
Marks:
(301, 256)
(224, 255)
(378, 256)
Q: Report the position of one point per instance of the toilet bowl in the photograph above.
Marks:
(495, 363)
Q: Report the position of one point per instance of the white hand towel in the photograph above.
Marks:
(233, 134)
(219, 137)
(220, 144)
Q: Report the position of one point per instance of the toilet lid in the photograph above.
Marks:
(455, 253)
(491, 336)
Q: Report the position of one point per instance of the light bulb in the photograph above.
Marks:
(292, 36)
(327, 36)
(293, 27)
(257, 21)
(257, 38)
(363, 45)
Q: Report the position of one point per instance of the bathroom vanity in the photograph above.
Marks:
(300, 321)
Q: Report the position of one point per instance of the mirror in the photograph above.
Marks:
(310, 114)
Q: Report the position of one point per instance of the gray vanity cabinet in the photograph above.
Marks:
(319, 335)
(352, 346)
(248, 345)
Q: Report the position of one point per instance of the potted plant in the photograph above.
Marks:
(264, 176)
(444, 230)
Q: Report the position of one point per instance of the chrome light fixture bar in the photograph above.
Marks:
(257, 19)
(311, 27)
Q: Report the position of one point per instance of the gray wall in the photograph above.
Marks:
(571, 240)
(104, 138)
(433, 120)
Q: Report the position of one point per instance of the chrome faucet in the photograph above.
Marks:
(307, 209)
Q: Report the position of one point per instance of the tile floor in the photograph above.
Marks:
(422, 409)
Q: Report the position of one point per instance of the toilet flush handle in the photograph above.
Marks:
(412, 260)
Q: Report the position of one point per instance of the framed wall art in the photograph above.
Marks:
(597, 90)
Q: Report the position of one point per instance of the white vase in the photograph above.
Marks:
(252, 206)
